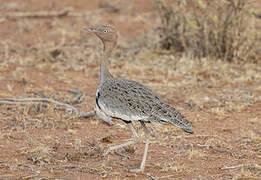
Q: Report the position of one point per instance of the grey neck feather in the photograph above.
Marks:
(104, 64)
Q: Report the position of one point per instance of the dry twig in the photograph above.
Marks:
(78, 96)
(121, 154)
(46, 14)
(64, 105)
(88, 114)
(232, 167)
(241, 165)
(37, 100)
(39, 14)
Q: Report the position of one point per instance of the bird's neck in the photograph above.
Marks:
(104, 64)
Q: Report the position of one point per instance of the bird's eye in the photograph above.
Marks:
(105, 30)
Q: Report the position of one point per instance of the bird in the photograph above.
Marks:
(129, 100)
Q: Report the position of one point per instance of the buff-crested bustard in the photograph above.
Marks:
(129, 100)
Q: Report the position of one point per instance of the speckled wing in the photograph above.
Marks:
(124, 99)
(131, 101)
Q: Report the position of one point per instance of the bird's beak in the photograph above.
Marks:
(89, 29)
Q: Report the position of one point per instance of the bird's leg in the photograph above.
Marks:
(135, 140)
(146, 130)
(142, 165)
(104, 117)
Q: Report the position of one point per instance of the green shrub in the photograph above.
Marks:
(220, 29)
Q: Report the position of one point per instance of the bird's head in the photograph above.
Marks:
(105, 33)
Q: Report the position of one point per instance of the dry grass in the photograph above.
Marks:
(215, 29)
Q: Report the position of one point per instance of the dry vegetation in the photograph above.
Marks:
(50, 57)
(217, 29)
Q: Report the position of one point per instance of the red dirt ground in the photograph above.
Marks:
(46, 57)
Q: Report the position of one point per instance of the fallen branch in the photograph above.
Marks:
(121, 154)
(162, 177)
(211, 147)
(97, 112)
(46, 14)
(151, 177)
(232, 167)
(64, 105)
(78, 96)
(37, 100)
(88, 114)
(39, 14)
(205, 136)
(256, 166)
